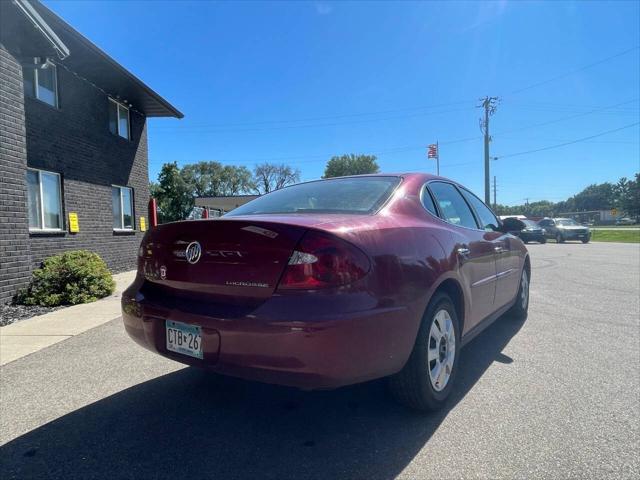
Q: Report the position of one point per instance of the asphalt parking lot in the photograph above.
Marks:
(557, 396)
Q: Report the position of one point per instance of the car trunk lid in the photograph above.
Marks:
(240, 261)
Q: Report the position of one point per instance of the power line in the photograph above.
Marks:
(325, 156)
(576, 70)
(561, 119)
(570, 142)
(322, 118)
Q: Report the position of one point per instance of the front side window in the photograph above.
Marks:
(118, 119)
(488, 220)
(122, 202)
(453, 207)
(44, 200)
(41, 83)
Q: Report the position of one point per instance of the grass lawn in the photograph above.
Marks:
(616, 235)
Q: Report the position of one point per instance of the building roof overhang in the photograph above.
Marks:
(82, 57)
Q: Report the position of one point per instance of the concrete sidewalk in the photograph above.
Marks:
(33, 334)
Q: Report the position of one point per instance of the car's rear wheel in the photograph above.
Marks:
(559, 238)
(427, 378)
(543, 240)
(520, 308)
(585, 240)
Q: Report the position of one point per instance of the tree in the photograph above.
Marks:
(629, 202)
(177, 188)
(174, 195)
(624, 195)
(268, 177)
(212, 179)
(595, 197)
(351, 165)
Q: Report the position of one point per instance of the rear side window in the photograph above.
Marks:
(427, 201)
(362, 195)
(452, 206)
(488, 220)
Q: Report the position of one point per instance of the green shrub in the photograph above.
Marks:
(68, 279)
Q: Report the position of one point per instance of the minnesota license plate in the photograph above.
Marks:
(184, 338)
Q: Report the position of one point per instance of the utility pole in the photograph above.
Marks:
(494, 193)
(489, 104)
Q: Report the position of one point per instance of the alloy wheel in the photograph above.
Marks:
(441, 350)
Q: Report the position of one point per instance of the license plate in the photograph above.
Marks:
(184, 338)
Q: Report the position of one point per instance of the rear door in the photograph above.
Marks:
(505, 247)
(474, 248)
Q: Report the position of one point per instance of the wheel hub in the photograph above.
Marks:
(442, 349)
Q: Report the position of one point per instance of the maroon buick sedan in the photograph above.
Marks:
(332, 282)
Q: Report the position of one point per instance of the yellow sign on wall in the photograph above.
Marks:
(74, 226)
(143, 224)
(614, 212)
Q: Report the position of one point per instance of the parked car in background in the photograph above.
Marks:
(532, 232)
(625, 221)
(563, 229)
(332, 282)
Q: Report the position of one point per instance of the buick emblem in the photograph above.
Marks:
(193, 252)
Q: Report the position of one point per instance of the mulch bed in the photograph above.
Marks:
(10, 313)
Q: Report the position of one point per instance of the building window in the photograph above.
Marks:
(42, 83)
(118, 119)
(122, 201)
(44, 200)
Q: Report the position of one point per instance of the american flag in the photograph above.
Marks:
(432, 151)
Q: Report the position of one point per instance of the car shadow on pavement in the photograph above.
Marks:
(190, 424)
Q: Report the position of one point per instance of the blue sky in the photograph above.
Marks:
(297, 82)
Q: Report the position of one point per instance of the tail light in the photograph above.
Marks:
(322, 261)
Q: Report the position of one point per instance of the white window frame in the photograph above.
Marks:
(35, 93)
(122, 228)
(124, 107)
(42, 228)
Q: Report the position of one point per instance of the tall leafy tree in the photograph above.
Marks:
(351, 165)
(268, 177)
(630, 199)
(177, 187)
(212, 179)
(174, 195)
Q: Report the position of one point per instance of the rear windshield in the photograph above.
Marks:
(359, 195)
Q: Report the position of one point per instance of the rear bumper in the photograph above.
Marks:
(309, 341)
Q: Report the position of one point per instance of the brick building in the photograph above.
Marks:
(73, 146)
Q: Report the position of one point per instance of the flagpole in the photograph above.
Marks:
(437, 159)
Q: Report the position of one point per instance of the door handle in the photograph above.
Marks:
(499, 249)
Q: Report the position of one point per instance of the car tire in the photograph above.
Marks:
(585, 240)
(418, 385)
(543, 240)
(520, 308)
(559, 238)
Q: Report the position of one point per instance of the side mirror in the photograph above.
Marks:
(512, 225)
